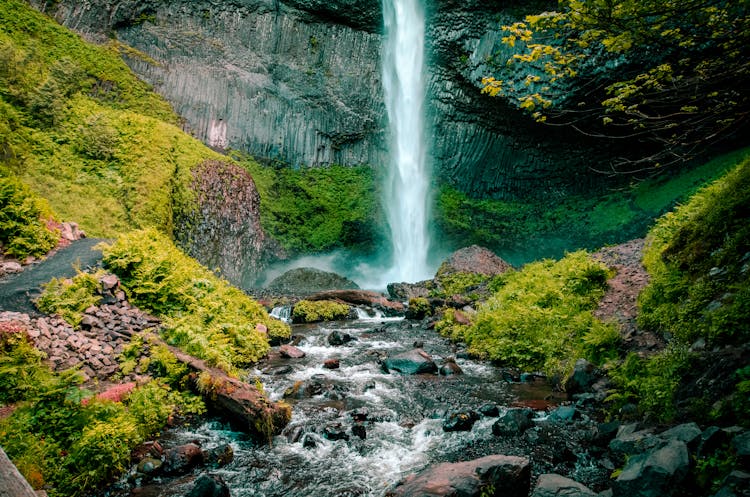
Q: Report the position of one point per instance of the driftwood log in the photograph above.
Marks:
(361, 297)
(239, 401)
(12, 484)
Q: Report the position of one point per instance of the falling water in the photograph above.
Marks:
(404, 87)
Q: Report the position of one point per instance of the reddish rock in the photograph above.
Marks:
(331, 364)
(460, 318)
(473, 259)
(261, 328)
(509, 476)
(291, 352)
(109, 281)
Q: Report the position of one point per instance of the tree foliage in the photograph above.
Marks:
(671, 73)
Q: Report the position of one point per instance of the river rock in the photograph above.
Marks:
(219, 456)
(689, 433)
(181, 459)
(510, 476)
(460, 421)
(450, 368)
(655, 473)
(634, 443)
(335, 431)
(736, 484)
(337, 338)
(564, 414)
(553, 485)
(741, 445)
(489, 410)
(473, 259)
(514, 422)
(207, 485)
(415, 361)
(405, 291)
(583, 377)
(149, 465)
(331, 364)
(359, 430)
(308, 280)
(291, 352)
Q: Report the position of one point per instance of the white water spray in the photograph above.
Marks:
(408, 186)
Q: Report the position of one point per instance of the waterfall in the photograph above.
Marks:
(406, 193)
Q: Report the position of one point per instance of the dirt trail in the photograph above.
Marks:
(18, 291)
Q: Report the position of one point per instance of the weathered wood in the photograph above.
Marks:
(237, 400)
(361, 297)
(12, 484)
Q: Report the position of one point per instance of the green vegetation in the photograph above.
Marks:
(313, 311)
(318, 209)
(59, 437)
(75, 123)
(203, 314)
(539, 317)
(698, 259)
(23, 221)
(447, 285)
(681, 96)
(586, 221)
(70, 297)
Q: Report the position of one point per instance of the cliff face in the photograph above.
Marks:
(299, 81)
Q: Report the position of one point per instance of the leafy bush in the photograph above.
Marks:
(309, 311)
(650, 382)
(23, 230)
(70, 297)
(698, 257)
(203, 314)
(457, 283)
(540, 317)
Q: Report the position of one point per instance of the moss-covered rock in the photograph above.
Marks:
(307, 311)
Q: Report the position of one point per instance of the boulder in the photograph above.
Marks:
(552, 485)
(741, 445)
(473, 259)
(337, 338)
(460, 421)
(509, 476)
(564, 414)
(335, 431)
(207, 485)
(415, 361)
(634, 443)
(513, 422)
(689, 433)
(655, 473)
(359, 430)
(331, 364)
(489, 410)
(219, 456)
(450, 368)
(406, 291)
(308, 280)
(181, 459)
(736, 484)
(291, 352)
(583, 377)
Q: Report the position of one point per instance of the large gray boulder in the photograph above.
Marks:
(496, 476)
(553, 485)
(308, 280)
(656, 473)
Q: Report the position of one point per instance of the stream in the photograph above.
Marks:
(357, 430)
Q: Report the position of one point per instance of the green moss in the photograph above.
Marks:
(318, 209)
(69, 298)
(459, 283)
(309, 311)
(698, 258)
(540, 317)
(203, 314)
(23, 216)
(419, 308)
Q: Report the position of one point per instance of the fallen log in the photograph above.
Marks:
(12, 483)
(361, 297)
(239, 401)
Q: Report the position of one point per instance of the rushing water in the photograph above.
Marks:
(408, 180)
(404, 416)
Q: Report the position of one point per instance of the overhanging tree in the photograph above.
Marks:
(672, 73)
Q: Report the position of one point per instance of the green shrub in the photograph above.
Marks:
(457, 283)
(202, 314)
(21, 371)
(23, 215)
(540, 317)
(419, 308)
(70, 297)
(313, 311)
(650, 382)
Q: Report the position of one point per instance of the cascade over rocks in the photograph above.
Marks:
(260, 76)
(415, 361)
(508, 475)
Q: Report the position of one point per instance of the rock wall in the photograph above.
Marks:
(299, 81)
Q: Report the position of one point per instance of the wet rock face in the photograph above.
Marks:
(300, 81)
(308, 280)
(221, 226)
